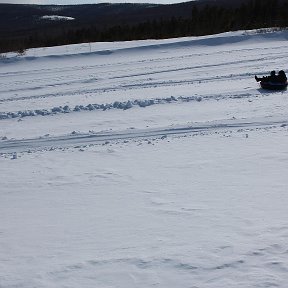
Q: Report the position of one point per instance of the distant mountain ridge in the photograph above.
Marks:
(30, 25)
(19, 18)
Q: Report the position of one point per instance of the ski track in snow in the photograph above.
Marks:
(78, 140)
(184, 69)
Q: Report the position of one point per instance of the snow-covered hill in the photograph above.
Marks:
(144, 164)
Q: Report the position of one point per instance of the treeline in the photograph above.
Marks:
(210, 19)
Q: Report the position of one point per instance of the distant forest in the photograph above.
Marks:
(202, 20)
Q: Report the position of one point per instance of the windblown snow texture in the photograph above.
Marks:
(144, 164)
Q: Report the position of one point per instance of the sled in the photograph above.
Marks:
(273, 85)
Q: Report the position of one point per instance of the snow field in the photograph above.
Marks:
(189, 191)
(111, 216)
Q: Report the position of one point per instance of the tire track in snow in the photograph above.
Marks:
(132, 85)
(53, 82)
(61, 84)
(81, 139)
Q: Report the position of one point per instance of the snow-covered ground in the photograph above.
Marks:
(56, 18)
(145, 164)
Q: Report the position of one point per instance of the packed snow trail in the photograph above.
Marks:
(81, 139)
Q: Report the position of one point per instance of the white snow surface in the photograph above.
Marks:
(56, 18)
(145, 164)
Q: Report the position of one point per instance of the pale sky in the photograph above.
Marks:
(67, 2)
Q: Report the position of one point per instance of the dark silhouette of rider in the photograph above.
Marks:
(281, 77)
(271, 78)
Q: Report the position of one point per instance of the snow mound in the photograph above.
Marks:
(124, 105)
